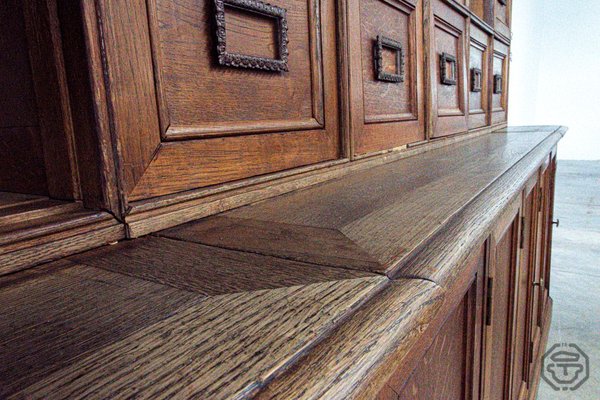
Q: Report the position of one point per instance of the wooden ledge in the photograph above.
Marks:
(378, 219)
(34, 230)
(161, 318)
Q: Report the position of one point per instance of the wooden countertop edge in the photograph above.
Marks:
(402, 346)
(157, 214)
(60, 239)
(511, 178)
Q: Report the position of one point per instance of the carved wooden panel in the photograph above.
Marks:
(499, 82)
(385, 48)
(204, 92)
(448, 70)
(479, 73)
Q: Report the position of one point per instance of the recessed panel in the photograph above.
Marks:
(447, 43)
(497, 98)
(478, 76)
(235, 67)
(448, 70)
(386, 83)
(384, 98)
(476, 79)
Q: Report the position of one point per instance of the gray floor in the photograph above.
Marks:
(575, 284)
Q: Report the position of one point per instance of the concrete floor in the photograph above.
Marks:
(575, 284)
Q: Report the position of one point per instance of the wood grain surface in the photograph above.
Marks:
(187, 265)
(379, 334)
(219, 347)
(383, 213)
(34, 229)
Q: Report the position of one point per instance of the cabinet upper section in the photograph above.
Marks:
(196, 94)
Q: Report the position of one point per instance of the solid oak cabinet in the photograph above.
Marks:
(308, 199)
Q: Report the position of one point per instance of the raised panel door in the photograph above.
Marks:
(478, 84)
(500, 306)
(204, 92)
(448, 70)
(385, 47)
(524, 293)
(450, 368)
(499, 82)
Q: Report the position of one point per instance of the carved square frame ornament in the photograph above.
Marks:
(245, 61)
(476, 79)
(384, 42)
(451, 79)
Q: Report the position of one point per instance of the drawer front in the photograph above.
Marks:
(448, 68)
(228, 89)
(478, 84)
(499, 82)
(502, 17)
(385, 42)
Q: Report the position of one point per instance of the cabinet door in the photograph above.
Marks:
(545, 238)
(450, 368)
(448, 70)
(36, 139)
(386, 63)
(499, 82)
(500, 305)
(525, 293)
(478, 78)
(203, 92)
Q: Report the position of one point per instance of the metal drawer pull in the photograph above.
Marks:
(380, 73)
(448, 69)
(257, 7)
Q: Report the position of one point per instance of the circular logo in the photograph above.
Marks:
(565, 367)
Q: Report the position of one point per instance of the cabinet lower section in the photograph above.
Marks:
(492, 339)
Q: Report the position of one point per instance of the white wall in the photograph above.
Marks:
(555, 71)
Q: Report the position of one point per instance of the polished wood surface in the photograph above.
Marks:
(364, 216)
(142, 317)
(138, 315)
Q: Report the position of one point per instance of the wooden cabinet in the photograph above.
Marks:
(386, 74)
(479, 73)
(448, 69)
